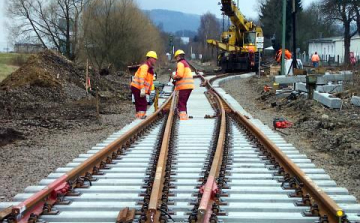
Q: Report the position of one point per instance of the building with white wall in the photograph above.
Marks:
(333, 48)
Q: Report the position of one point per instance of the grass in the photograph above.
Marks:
(6, 70)
(7, 63)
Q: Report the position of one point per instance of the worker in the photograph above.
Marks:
(315, 59)
(278, 55)
(184, 83)
(142, 83)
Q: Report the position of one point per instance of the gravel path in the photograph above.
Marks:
(246, 93)
(26, 162)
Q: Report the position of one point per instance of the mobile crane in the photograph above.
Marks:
(237, 47)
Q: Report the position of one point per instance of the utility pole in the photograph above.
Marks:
(294, 64)
(283, 72)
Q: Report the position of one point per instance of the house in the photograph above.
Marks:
(332, 49)
(28, 48)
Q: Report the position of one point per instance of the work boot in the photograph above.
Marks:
(142, 115)
(183, 116)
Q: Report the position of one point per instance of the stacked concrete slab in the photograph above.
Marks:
(343, 76)
(301, 87)
(323, 88)
(324, 79)
(290, 79)
(334, 88)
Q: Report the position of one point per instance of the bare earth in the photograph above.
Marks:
(26, 162)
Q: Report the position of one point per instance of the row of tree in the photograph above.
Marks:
(117, 32)
(326, 18)
(105, 31)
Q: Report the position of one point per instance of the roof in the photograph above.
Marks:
(325, 40)
(331, 39)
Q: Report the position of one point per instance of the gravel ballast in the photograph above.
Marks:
(25, 162)
(338, 163)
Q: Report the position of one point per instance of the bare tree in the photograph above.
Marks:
(118, 32)
(341, 11)
(209, 29)
(53, 23)
(356, 7)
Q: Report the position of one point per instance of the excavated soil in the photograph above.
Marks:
(328, 137)
(47, 119)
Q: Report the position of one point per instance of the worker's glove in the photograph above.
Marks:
(142, 92)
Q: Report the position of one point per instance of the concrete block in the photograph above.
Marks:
(301, 87)
(335, 88)
(342, 76)
(290, 79)
(355, 100)
(327, 100)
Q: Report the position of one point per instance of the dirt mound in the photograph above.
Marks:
(47, 76)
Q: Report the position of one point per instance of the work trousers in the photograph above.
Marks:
(183, 99)
(140, 102)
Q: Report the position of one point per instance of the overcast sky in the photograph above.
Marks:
(247, 7)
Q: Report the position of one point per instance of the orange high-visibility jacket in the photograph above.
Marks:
(315, 58)
(143, 78)
(184, 78)
(288, 55)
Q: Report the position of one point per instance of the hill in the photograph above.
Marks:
(173, 21)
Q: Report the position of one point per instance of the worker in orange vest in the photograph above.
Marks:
(278, 55)
(315, 59)
(184, 83)
(142, 82)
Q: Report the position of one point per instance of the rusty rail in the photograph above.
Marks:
(210, 187)
(32, 207)
(327, 207)
(153, 214)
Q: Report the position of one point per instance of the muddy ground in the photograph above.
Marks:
(330, 138)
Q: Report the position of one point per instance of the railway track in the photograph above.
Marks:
(221, 166)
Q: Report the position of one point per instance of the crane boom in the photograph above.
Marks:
(238, 44)
(235, 15)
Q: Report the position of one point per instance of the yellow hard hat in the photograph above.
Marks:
(152, 54)
(179, 52)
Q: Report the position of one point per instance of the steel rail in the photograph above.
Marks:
(153, 214)
(326, 205)
(210, 187)
(33, 206)
(204, 212)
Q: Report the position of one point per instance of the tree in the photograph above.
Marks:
(117, 32)
(356, 6)
(312, 24)
(341, 11)
(209, 29)
(53, 23)
(271, 20)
